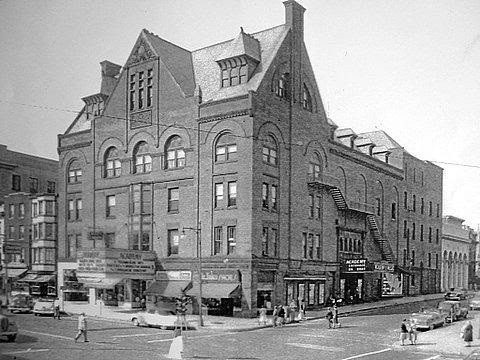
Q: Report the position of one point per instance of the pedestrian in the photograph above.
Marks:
(303, 310)
(403, 331)
(82, 327)
(335, 316)
(293, 309)
(467, 333)
(56, 308)
(412, 332)
(275, 315)
(281, 315)
(329, 317)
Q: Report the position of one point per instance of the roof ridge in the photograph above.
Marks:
(167, 41)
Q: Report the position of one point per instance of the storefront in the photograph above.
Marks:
(352, 280)
(117, 277)
(167, 287)
(40, 285)
(392, 279)
(310, 290)
(265, 290)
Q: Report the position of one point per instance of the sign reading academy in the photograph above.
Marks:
(355, 265)
(116, 261)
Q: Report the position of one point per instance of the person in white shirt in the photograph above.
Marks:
(82, 327)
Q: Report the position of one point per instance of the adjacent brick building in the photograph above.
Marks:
(228, 149)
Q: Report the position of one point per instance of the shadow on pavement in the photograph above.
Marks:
(22, 339)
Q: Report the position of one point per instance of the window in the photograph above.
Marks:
(140, 216)
(141, 89)
(226, 148)
(49, 207)
(421, 232)
(132, 87)
(265, 241)
(429, 234)
(436, 236)
(438, 210)
(74, 243)
(33, 183)
(306, 99)
(21, 232)
(319, 207)
(16, 182)
(310, 246)
(404, 257)
(412, 260)
(304, 245)
(11, 232)
(231, 239)
(274, 238)
(11, 210)
(142, 158)
(49, 231)
(173, 242)
(218, 195)
(41, 232)
(74, 172)
(405, 200)
(173, 198)
(394, 211)
(149, 87)
(232, 193)
(78, 209)
(314, 168)
(405, 229)
(430, 209)
(234, 71)
(281, 85)
(265, 196)
(71, 210)
(318, 244)
(414, 201)
(378, 206)
(137, 90)
(269, 152)
(273, 196)
(35, 231)
(110, 205)
(217, 240)
(51, 187)
(422, 206)
(175, 153)
(109, 240)
(113, 166)
(429, 260)
(436, 261)
(311, 210)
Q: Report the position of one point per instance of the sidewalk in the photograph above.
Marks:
(223, 323)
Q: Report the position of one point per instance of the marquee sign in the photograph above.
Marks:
(118, 261)
(355, 265)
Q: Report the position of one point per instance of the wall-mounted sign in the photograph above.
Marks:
(355, 265)
(184, 275)
(383, 267)
(116, 261)
(220, 275)
(392, 284)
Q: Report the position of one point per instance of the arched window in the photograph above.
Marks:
(74, 172)
(281, 84)
(113, 166)
(142, 158)
(226, 148)
(270, 151)
(175, 153)
(314, 168)
(306, 98)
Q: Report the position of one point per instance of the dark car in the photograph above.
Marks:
(456, 295)
(21, 303)
(8, 328)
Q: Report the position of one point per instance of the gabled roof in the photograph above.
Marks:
(244, 44)
(177, 60)
(207, 71)
(380, 137)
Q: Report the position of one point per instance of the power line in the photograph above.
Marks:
(51, 108)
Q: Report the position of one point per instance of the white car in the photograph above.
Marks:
(43, 307)
(164, 319)
(474, 304)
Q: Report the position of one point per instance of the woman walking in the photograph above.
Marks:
(467, 333)
(403, 331)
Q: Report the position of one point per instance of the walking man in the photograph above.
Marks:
(335, 316)
(82, 327)
(56, 308)
(329, 317)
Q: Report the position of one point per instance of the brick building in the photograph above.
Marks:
(22, 176)
(228, 150)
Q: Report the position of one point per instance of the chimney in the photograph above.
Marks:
(109, 76)
(294, 17)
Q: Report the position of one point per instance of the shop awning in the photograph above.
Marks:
(99, 283)
(218, 290)
(28, 278)
(172, 288)
(34, 278)
(14, 273)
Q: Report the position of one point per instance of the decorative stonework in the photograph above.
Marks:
(141, 53)
(141, 119)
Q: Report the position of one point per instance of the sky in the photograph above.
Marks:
(410, 68)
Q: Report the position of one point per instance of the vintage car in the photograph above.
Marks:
(21, 303)
(474, 304)
(454, 310)
(456, 295)
(164, 319)
(8, 328)
(43, 307)
(428, 319)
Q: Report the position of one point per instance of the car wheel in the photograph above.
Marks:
(135, 322)
(36, 314)
(12, 338)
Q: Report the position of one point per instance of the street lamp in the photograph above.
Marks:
(198, 232)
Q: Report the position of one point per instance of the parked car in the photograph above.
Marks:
(454, 310)
(428, 319)
(164, 319)
(21, 303)
(8, 328)
(43, 307)
(474, 304)
(456, 295)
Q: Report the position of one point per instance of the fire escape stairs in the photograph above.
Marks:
(339, 199)
(387, 253)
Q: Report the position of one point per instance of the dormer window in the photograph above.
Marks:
(281, 84)
(234, 72)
